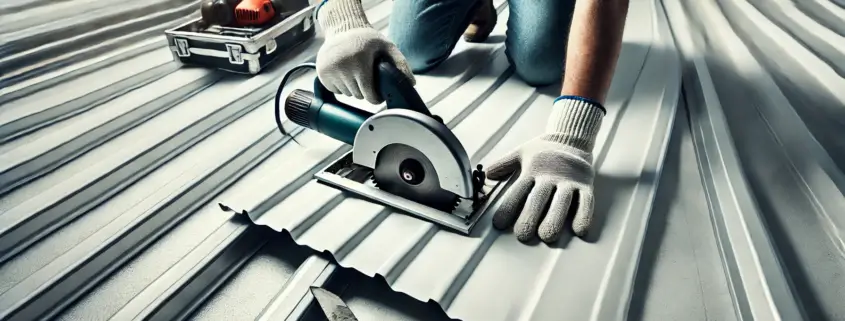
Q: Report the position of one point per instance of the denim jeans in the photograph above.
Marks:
(426, 32)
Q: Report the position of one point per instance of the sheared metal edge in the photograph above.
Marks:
(758, 284)
(354, 240)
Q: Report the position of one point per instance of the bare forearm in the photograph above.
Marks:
(595, 39)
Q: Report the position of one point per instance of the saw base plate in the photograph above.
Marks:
(345, 175)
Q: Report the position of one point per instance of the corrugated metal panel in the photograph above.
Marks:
(112, 170)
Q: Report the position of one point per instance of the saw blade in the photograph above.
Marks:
(404, 171)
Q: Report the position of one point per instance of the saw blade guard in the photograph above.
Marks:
(432, 138)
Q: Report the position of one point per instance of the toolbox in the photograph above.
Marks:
(245, 50)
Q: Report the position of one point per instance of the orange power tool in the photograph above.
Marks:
(254, 12)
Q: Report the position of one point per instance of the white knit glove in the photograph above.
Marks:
(554, 166)
(346, 60)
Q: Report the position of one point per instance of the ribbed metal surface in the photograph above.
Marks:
(122, 179)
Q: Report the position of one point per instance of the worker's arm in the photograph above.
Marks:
(556, 168)
(595, 39)
(337, 16)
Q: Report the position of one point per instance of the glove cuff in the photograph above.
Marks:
(336, 16)
(575, 121)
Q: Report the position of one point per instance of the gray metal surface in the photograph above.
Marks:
(123, 179)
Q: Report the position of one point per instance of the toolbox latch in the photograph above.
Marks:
(271, 46)
(182, 49)
(235, 56)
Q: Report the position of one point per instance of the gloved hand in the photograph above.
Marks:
(554, 166)
(346, 60)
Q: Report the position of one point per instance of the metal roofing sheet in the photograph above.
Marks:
(113, 167)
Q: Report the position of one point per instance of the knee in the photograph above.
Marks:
(422, 44)
(421, 55)
(536, 39)
(535, 70)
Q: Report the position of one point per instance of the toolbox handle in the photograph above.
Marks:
(396, 89)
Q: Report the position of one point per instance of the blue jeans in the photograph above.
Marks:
(426, 32)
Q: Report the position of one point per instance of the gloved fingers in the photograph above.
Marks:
(354, 89)
(532, 212)
(400, 62)
(504, 167)
(342, 88)
(324, 79)
(552, 225)
(330, 87)
(512, 202)
(365, 83)
(333, 88)
(584, 214)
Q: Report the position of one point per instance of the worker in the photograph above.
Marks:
(556, 167)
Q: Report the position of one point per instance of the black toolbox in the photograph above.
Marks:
(241, 50)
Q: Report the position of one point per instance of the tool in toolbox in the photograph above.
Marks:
(254, 12)
(242, 13)
(241, 36)
(403, 156)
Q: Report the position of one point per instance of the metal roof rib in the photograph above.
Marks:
(747, 191)
(30, 60)
(131, 189)
(758, 285)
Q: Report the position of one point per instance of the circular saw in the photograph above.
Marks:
(402, 156)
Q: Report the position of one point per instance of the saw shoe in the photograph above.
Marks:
(482, 23)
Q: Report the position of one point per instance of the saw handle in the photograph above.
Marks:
(396, 89)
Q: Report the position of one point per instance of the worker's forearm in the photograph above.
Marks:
(336, 16)
(595, 39)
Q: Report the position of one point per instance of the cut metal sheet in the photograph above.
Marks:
(722, 194)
